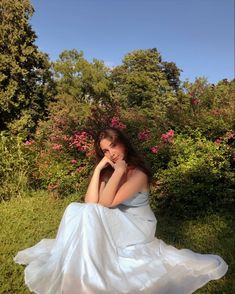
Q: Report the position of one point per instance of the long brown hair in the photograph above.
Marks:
(132, 157)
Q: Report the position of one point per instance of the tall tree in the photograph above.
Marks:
(84, 81)
(26, 85)
(143, 79)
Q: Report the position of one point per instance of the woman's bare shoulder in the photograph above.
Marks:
(133, 171)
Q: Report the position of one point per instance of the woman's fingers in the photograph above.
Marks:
(104, 163)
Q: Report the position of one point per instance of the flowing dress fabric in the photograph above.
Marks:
(114, 250)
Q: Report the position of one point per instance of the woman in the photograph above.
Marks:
(108, 244)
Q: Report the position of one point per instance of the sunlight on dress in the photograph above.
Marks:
(114, 250)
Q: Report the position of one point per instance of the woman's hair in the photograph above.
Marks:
(116, 136)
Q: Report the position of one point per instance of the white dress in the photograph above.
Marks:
(114, 250)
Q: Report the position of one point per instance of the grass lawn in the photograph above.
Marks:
(28, 220)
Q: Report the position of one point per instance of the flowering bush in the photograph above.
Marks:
(65, 152)
(82, 142)
(63, 167)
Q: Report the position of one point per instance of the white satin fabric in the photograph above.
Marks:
(101, 250)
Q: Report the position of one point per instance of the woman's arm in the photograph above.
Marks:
(109, 191)
(113, 194)
(92, 194)
(137, 182)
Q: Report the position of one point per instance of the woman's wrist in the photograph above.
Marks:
(119, 171)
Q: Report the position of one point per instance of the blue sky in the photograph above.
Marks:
(198, 35)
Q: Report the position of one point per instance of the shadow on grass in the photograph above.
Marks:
(211, 232)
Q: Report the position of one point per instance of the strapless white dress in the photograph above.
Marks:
(114, 250)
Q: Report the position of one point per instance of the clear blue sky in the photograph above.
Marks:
(198, 35)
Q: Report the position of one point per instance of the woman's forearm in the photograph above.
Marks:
(92, 194)
(108, 193)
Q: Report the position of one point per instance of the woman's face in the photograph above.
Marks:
(114, 152)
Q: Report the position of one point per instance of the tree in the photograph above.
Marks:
(84, 81)
(83, 97)
(144, 79)
(25, 78)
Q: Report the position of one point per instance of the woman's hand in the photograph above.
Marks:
(120, 165)
(104, 163)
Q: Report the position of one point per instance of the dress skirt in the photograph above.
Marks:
(114, 250)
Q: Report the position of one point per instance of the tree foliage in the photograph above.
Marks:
(208, 107)
(144, 80)
(85, 81)
(25, 78)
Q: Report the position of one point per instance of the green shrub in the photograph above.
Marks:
(17, 164)
(198, 176)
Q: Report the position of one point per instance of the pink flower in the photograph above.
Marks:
(81, 141)
(73, 161)
(116, 123)
(144, 135)
(218, 141)
(56, 146)
(155, 149)
(168, 137)
(195, 101)
(29, 142)
(80, 169)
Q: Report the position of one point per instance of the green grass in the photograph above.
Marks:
(27, 220)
